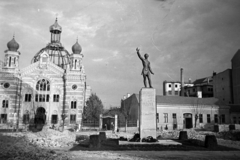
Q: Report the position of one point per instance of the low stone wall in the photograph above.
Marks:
(226, 127)
(129, 129)
(237, 126)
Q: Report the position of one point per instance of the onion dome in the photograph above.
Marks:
(55, 27)
(76, 48)
(13, 45)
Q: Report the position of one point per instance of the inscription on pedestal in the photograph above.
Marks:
(147, 112)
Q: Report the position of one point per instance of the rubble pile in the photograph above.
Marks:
(51, 138)
(18, 146)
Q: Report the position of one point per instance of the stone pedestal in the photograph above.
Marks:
(100, 122)
(147, 113)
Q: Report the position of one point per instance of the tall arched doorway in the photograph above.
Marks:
(187, 120)
(40, 117)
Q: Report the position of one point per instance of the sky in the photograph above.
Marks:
(198, 36)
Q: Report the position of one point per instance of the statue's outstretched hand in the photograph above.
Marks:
(137, 49)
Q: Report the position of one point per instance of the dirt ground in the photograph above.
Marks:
(62, 145)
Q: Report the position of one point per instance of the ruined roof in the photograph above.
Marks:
(202, 81)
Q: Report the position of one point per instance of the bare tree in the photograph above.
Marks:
(197, 109)
(125, 109)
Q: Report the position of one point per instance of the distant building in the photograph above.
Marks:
(202, 88)
(173, 88)
(175, 112)
(236, 77)
(222, 86)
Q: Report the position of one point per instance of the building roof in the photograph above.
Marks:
(187, 100)
(202, 80)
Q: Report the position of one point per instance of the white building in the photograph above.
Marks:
(51, 87)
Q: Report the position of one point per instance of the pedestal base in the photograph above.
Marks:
(148, 125)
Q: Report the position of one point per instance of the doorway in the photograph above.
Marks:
(40, 117)
(187, 121)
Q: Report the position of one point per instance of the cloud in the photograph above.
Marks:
(98, 60)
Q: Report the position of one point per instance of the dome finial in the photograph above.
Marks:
(77, 38)
(56, 17)
(13, 35)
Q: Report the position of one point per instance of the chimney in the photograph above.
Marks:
(182, 82)
(124, 97)
(128, 95)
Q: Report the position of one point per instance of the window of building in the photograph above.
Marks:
(176, 85)
(234, 120)
(56, 98)
(208, 118)
(73, 104)
(28, 97)
(170, 92)
(165, 116)
(72, 118)
(200, 118)
(215, 118)
(42, 98)
(157, 116)
(43, 85)
(223, 118)
(194, 90)
(169, 85)
(5, 104)
(6, 85)
(174, 115)
(176, 92)
(54, 119)
(10, 59)
(3, 118)
(26, 118)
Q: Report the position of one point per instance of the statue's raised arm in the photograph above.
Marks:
(138, 53)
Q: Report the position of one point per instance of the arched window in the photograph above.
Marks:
(10, 59)
(75, 64)
(5, 104)
(43, 85)
(73, 104)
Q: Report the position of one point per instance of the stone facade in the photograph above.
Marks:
(222, 86)
(52, 87)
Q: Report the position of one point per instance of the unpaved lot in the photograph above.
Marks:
(51, 144)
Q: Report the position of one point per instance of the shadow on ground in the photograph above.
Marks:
(187, 145)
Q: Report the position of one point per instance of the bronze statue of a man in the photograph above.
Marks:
(146, 69)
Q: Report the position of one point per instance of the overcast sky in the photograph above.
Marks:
(200, 36)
